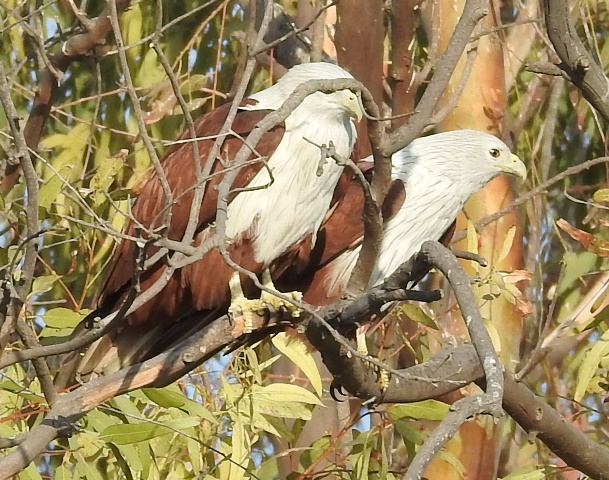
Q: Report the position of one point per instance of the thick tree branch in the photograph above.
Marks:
(450, 369)
(579, 66)
(437, 255)
(538, 418)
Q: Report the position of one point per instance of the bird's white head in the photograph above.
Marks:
(470, 157)
(273, 97)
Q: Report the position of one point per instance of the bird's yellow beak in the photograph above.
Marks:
(513, 166)
(352, 103)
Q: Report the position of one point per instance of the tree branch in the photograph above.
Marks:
(579, 66)
(473, 12)
(76, 47)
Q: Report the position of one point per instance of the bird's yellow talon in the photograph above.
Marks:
(275, 303)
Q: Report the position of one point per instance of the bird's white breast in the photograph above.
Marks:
(432, 204)
(294, 204)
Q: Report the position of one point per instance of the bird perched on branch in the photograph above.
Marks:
(282, 195)
(432, 179)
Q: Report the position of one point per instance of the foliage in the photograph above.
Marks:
(236, 417)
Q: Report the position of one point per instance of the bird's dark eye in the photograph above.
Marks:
(494, 152)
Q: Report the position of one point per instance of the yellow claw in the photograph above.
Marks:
(241, 306)
(275, 303)
(362, 348)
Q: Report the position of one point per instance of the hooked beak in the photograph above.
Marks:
(353, 105)
(514, 166)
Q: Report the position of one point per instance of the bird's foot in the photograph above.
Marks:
(362, 349)
(274, 303)
(241, 306)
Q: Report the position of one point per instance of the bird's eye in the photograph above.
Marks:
(494, 152)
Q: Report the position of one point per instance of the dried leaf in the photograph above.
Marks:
(589, 242)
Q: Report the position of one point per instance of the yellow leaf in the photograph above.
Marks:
(296, 350)
(601, 196)
(507, 244)
(590, 364)
(239, 453)
(416, 313)
(472, 243)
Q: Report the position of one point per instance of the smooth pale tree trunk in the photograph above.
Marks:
(481, 106)
(359, 49)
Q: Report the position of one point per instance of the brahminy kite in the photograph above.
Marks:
(280, 199)
(432, 177)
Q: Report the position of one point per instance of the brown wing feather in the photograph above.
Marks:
(178, 165)
(341, 230)
(201, 285)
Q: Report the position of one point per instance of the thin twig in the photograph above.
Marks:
(22, 154)
(138, 113)
(539, 190)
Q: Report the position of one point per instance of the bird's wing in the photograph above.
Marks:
(179, 168)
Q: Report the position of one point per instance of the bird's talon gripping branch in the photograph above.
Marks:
(241, 306)
(272, 302)
(362, 349)
(337, 389)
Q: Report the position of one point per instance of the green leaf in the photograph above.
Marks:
(425, 410)
(528, 472)
(131, 28)
(62, 473)
(99, 421)
(166, 397)
(64, 317)
(85, 468)
(104, 177)
(139, 432)
(42, 284)
(416, 313)
(61, 321)
(281, 400)
(126, 404)
(296, 350)
(590, 365)
(30, 473)
(90, 443)
(284, 392)
(239, 453)
(50, 190)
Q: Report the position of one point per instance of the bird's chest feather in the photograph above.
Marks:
(292, 194)
(432, 204)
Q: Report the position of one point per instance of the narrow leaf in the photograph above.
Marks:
(425, 410)
(296, 350)
(125, 434)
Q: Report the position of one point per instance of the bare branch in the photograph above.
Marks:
(22, 289)
(137, 110)
(577, 63)
(539, 190)
(74, 48)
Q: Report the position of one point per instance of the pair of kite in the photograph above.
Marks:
(291, 214)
